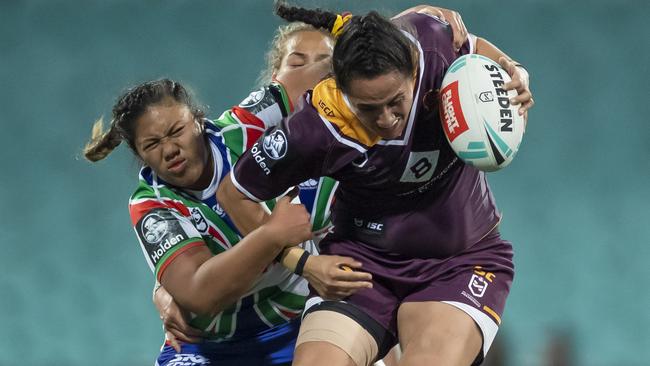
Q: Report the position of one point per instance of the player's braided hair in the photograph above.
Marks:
(316, 17)
(129, 107)
(368, 46)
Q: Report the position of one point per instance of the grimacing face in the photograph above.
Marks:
(169, 139)
(304, 48)
(383, 103)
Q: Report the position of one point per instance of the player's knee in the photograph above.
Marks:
(444, 347)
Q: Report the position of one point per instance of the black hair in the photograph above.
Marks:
(128, 108)
(369, 45)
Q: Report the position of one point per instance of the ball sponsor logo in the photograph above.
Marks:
(275, 145)
(502, 97)
(453, 119)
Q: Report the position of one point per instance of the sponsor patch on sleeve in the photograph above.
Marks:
(271, 147)
(263, 101)
(160, 231)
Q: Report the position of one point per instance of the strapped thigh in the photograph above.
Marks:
(346, 327)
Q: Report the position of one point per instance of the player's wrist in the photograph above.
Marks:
(294, 259)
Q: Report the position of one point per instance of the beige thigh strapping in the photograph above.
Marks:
(341, 331)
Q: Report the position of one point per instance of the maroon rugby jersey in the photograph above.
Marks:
(410, 195)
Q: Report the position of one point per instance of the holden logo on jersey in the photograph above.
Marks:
(200, 222)
(154, 227)
(275, 145)
(253, 98)
(486, 96)
(160, 230)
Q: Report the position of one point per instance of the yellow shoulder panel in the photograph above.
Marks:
(328, 101)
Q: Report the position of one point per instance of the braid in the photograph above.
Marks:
(101, 143)
(317, 17)
(129, 107)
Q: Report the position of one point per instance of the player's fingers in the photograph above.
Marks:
(460, 31)
(513, 84)
(507, 65)
(434, 12)
(521, 98)
(356, 276)
(183, 337)
(523, 110)
(293, 193)
(349, 263)
(341, 285)
(171, 338)
(190, 331)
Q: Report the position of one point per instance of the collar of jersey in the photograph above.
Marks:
(330, 103)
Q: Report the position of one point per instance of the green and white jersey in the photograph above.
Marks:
(169, 220)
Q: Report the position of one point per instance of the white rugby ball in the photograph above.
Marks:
(481, 125)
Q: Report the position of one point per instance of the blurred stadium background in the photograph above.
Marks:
(75, 289)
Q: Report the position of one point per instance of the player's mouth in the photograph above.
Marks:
(177, 166)
(392, 131)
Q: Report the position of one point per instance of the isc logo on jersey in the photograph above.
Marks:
(481, 125)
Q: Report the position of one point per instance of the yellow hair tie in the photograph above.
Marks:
(339, 23)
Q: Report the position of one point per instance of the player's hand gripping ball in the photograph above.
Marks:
(483, 128)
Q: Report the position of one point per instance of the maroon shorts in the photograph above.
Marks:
(477, 281)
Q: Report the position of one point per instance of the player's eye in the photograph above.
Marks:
(150, 145)
(177, 132)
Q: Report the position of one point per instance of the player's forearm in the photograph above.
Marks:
(233, 280)
(247, 215)
(221, 280)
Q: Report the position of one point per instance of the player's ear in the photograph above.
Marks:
(199, 124)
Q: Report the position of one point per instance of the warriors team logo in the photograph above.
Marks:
(253, 98)
(199, 220)
(154, 228)
(275, 145)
